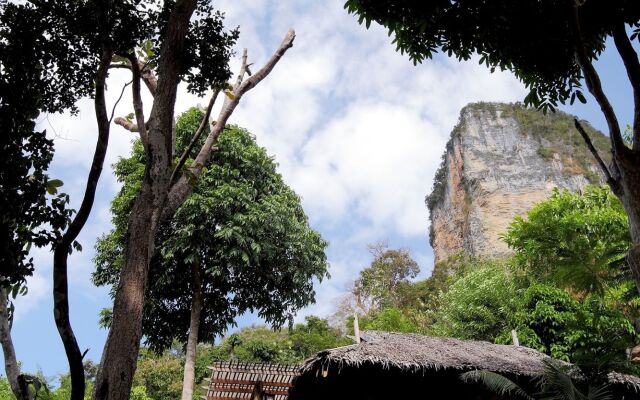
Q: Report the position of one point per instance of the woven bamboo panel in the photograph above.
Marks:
(237, 380)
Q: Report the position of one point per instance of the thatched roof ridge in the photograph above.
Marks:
(418, 353)
(410, 351)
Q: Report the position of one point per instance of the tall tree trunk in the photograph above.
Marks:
(630, 197)
(11, 367)
(120, 354)
(188, 380)
(623, 175)
(62, 248)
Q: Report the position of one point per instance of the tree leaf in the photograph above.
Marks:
(53, 185)
(230, 94)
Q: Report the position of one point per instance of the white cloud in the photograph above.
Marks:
(39, 286)
(370, 162)
(357, 129)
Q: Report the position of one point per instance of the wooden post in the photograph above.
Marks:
(514, 337)
(257, 392)
(356, 328)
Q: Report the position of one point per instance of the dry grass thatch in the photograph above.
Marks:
(421, 354)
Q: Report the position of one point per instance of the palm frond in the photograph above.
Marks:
(557, 384)
(599, 393)
(495, 383)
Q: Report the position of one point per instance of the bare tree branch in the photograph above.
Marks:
(632, 65)
(611, 181)
(137, 100)
(126, 124)
(234, 88)
(113, 110)
(243, 69)
(266, 69)
(182, 188)
(595, 87)
(119, 66)
(195, 137)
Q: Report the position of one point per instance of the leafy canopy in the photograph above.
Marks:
(244, 227)
(576, 240)
(287, 346)
(531, 38)
(589, 333)
(32, 212)
(381, 283)
(478, 305)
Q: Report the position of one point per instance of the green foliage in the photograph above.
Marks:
(242, 224)
(478, 305)
(543, 319)
(557, 382)
(379, 285)
(313, 336)
(287, 346)
(388, 320)
(139, 393)
(42, 389)
(601, 336)
(530, 38)
(32, 212)
(159, 375)
(5, 390)
(439, 185)
(588, 333)
(428, 292)
(415, 306)
(66, 41)
(496, 383)
(576, 240)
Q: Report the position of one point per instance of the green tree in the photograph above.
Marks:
(387, 320)
(380, 284)
(576, 240)
(421, 300)
(162, 44)
(287, 346)
(543, 320)
(240, 242)
(32, 212)
(550, 46)
(159, 375)
(70, 45)
(479, 305)
(312, 336)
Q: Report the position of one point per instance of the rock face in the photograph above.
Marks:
(500, 161)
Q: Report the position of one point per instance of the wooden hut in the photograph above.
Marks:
(255, 381)
(396, 366)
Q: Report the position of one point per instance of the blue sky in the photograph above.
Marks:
(357, 130)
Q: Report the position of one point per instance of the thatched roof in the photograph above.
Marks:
(418, 353)
(409, 351)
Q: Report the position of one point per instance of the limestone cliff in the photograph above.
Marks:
(500, 160)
